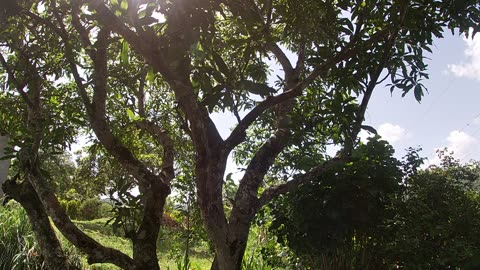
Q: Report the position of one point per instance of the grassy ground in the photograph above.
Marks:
(168, 257)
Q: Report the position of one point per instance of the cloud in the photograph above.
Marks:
(389, 132)
(470, 69)
(461, 144)
(392, 133)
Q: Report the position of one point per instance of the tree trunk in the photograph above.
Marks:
(145, 239)
(45, 235)
(4, 164)
(230, 255)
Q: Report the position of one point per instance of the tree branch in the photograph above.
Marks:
(374, 77)
(96, 253)
(281, 57)
(238, 133)
(163, 138)
(273, 192)
(18, 85)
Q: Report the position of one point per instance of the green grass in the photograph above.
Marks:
(168, 258)
(18, 249)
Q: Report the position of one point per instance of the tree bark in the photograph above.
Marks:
(4, 164)
(145, 239)
(45, 235)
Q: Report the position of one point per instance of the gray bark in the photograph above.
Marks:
(4, 164)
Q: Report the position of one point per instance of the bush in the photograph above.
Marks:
(94, 208)
(71, 207)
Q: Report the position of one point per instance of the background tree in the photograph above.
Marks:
(436, 221)
(336, 223)
(148, 75)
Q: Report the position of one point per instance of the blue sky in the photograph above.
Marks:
(448, 116)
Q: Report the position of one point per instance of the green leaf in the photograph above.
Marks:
(150, 76)
(7, 157)
(418, 91)
(124, 5)
(124, 53)
(132, 116)
(256, 88)
(369, 129)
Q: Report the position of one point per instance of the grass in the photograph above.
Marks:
(168, 258)
(18, 248)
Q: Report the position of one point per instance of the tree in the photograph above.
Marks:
(340, 217)
(146, 75)
(4, 162)
(436, 221)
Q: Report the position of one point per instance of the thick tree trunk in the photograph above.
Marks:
(230, 255)
(4, 164)
(145, 239)
(47, 240)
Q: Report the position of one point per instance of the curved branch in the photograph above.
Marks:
(164, 139)
(374, 78)
(96, 253)
(281, 57)
(310, 176)
(18, 85)
(238, 133)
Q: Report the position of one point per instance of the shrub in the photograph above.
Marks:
(93, 208)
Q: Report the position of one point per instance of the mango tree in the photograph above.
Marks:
(149, 74)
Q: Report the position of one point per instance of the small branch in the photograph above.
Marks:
(141, 96)
(310, 176)
(281, 57)
(374, 78)
(77, 24)
(300, 66)
(18, 85)
(163, 138)
(70, 56)
(238, 134)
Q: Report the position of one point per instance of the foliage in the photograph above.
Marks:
(412, 218)
(337, 217)
(437, 218)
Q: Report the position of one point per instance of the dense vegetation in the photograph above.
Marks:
(139, 80)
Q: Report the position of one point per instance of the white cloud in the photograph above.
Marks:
(389, 132)
(364, 135)
(392, 133)
(461, 144)
(470, 69)
(476, 121)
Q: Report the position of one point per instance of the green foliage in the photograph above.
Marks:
(72, 207)
(174, 62)
(335, 220)
(438, 216)
(376, 213)
(93, 208)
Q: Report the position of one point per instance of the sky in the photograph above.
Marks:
(448, 115)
